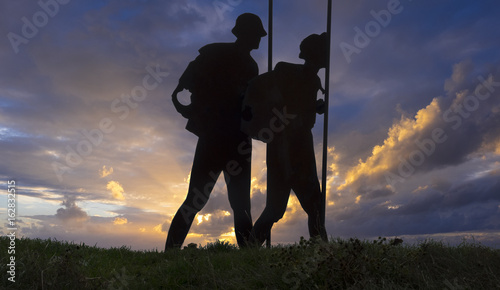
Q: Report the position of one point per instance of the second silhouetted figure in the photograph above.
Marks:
(281, 108)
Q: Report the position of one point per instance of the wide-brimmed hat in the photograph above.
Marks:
(314, 48)
(248, 24)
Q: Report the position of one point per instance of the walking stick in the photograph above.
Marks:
(270, 68)
(325, 126)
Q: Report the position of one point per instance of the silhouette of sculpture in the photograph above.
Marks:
(217, 80)
(280, 109)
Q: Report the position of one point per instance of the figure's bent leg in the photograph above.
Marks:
(262, 228)
(180, 225)
(309, 195)
(305, 184)
(203, 179)
(278, 191)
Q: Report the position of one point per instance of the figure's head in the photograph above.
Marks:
(249, 30)
(314, 49)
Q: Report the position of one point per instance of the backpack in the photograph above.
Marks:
(262, 98)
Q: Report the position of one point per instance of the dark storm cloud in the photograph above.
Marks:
(444, 133)
(71, 213)
(469, 205)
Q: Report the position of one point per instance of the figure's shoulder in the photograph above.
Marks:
(215, 48)
(297, 74)
(253, 64)
(288, 71)
(286, 66)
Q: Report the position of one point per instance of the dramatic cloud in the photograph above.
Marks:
(438, 135)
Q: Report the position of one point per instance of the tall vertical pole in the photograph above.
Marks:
(270, 68)
(270, 38)
(327, 95)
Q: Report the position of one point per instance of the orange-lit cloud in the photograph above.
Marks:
(105, 171)
(116, 190)
(120, 221)
(333, 173)
(229, 236)
(158, 229)
(401, 136)
(201, 217)
(421, 188)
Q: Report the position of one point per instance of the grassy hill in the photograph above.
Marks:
(340, 264)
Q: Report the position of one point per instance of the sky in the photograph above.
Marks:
(100, 156)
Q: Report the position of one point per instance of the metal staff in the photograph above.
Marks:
(270, 38)
(327, 95)
(270, 68)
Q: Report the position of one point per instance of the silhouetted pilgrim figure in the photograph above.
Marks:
(217, 80)
(280, 109)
